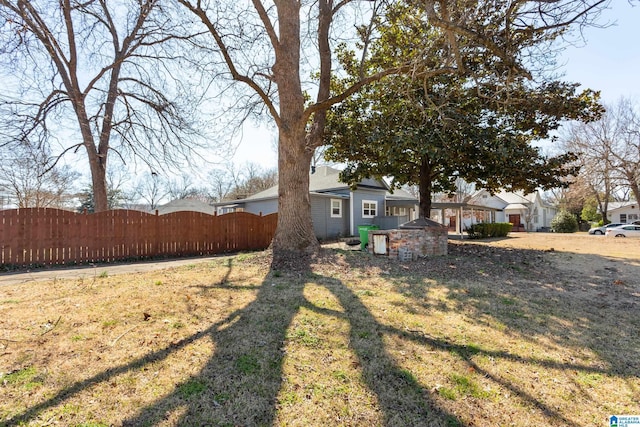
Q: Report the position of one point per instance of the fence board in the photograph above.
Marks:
(30, 237)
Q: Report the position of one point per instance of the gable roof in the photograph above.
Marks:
(613, 206)
(324, 179)
(515, 198)
(509, 200)
(179, 205)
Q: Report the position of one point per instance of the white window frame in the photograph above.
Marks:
(339, 202)
(367, 205)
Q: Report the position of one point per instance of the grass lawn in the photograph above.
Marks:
(488, 335)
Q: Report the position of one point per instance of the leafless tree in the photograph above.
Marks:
(29, 177)
(96, 75)
(625, 149)
(609, 153)
(573, 197)
(235, 182)
(221, 184)
(270, 46)
(151, 189)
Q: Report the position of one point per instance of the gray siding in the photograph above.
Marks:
(324, 226)
(390, 222)
(265, 206)
(358, 196)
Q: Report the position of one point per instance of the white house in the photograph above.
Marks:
(527, 212)
(624, 212)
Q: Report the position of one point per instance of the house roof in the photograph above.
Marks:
(510, 200)
(516, 206)
(400, 197)
(323, 180)
(612, 206)
(516, 198)
(179, 205)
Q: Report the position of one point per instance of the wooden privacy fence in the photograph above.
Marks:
(41, 236)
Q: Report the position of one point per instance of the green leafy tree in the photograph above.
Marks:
(590, 211)
(564, 222)
(115, 197)
(430, 132)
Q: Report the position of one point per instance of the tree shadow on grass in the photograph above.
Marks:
(240, 383)
(576, 327)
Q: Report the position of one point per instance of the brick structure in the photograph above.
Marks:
(409, 244)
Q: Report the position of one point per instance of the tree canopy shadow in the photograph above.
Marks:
(517, 292)
(589, 309)
(240, 383)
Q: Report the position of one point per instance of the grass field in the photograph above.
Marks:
(513, 332)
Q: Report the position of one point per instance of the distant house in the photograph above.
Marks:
(336, 210)
(624, 212)
(527, 212)
(179, 205)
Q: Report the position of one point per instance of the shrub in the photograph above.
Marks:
(564, 222)
(486, 229)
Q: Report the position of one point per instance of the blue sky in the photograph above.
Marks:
(610, 60)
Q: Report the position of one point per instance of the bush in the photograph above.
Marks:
(486, 229)
(564, 222)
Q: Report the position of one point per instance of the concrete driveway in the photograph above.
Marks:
(94, 270)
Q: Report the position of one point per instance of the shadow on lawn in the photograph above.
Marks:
(524, 294)
(239, 385)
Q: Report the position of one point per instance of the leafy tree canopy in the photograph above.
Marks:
(433, 129)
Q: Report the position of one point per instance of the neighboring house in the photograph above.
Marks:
(336, 210)
(624, 212)
(192, 205)
(527, 212)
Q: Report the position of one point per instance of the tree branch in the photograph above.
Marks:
(235, 74)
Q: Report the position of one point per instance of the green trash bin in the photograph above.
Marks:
(363, 230)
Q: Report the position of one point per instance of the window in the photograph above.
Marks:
(336, 208)
(395, 211)
(623, 218)
(369, 208)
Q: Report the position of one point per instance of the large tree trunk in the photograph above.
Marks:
(97, 160)
(425, 188)
(294, 235)
(99, 183)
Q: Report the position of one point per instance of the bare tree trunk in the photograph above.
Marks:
(425, 189)
(294, 234)
(99, 184)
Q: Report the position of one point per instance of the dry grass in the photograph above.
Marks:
(489, 335)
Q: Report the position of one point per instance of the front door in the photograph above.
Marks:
(515, 220)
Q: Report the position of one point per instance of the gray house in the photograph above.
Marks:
(336, 210)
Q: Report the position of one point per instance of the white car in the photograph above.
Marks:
(628, 230)
(604, 228)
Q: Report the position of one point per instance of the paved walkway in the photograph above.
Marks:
(88, 271)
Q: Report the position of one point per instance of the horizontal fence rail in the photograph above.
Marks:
(43, 236)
